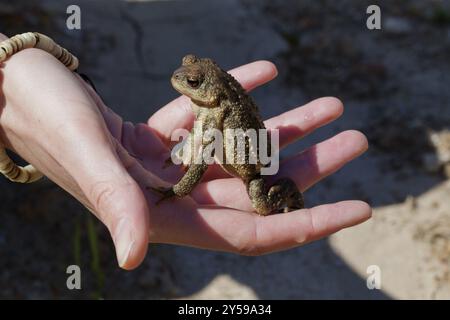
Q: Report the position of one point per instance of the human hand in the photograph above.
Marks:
(218, 215)
(58, 123)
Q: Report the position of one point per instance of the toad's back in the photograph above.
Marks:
(221, 103)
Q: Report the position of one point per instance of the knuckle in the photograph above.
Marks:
(308, 230)
(251, 246)
(102, 193)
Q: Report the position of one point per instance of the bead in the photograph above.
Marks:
(3, 55)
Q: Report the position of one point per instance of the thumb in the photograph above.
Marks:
(113, 195)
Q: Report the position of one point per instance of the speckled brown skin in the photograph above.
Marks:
(220, 102)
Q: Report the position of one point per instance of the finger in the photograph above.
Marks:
(306, 169)
(301, 121)
(115, 197)
(324, 159)
(280, 232)
(178, 114)
(249, 234)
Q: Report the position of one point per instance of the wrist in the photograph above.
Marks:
(17, 83)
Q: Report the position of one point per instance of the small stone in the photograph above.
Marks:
(411, 203)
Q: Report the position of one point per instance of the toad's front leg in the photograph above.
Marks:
(187, 183)
(193, 153)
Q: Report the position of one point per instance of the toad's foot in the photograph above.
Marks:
(282, 196)
(285, 196)
(166, 193)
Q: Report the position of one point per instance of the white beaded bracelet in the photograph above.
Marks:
(9, 47)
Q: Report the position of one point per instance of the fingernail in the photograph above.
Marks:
(123, 241)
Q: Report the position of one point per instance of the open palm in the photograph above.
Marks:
(218, 215)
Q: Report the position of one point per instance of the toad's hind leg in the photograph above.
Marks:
(282, 196)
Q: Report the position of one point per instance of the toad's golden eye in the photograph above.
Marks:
(193, 83)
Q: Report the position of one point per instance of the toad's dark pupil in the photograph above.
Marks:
(193, 83)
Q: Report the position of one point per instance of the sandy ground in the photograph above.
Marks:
(394, 84)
